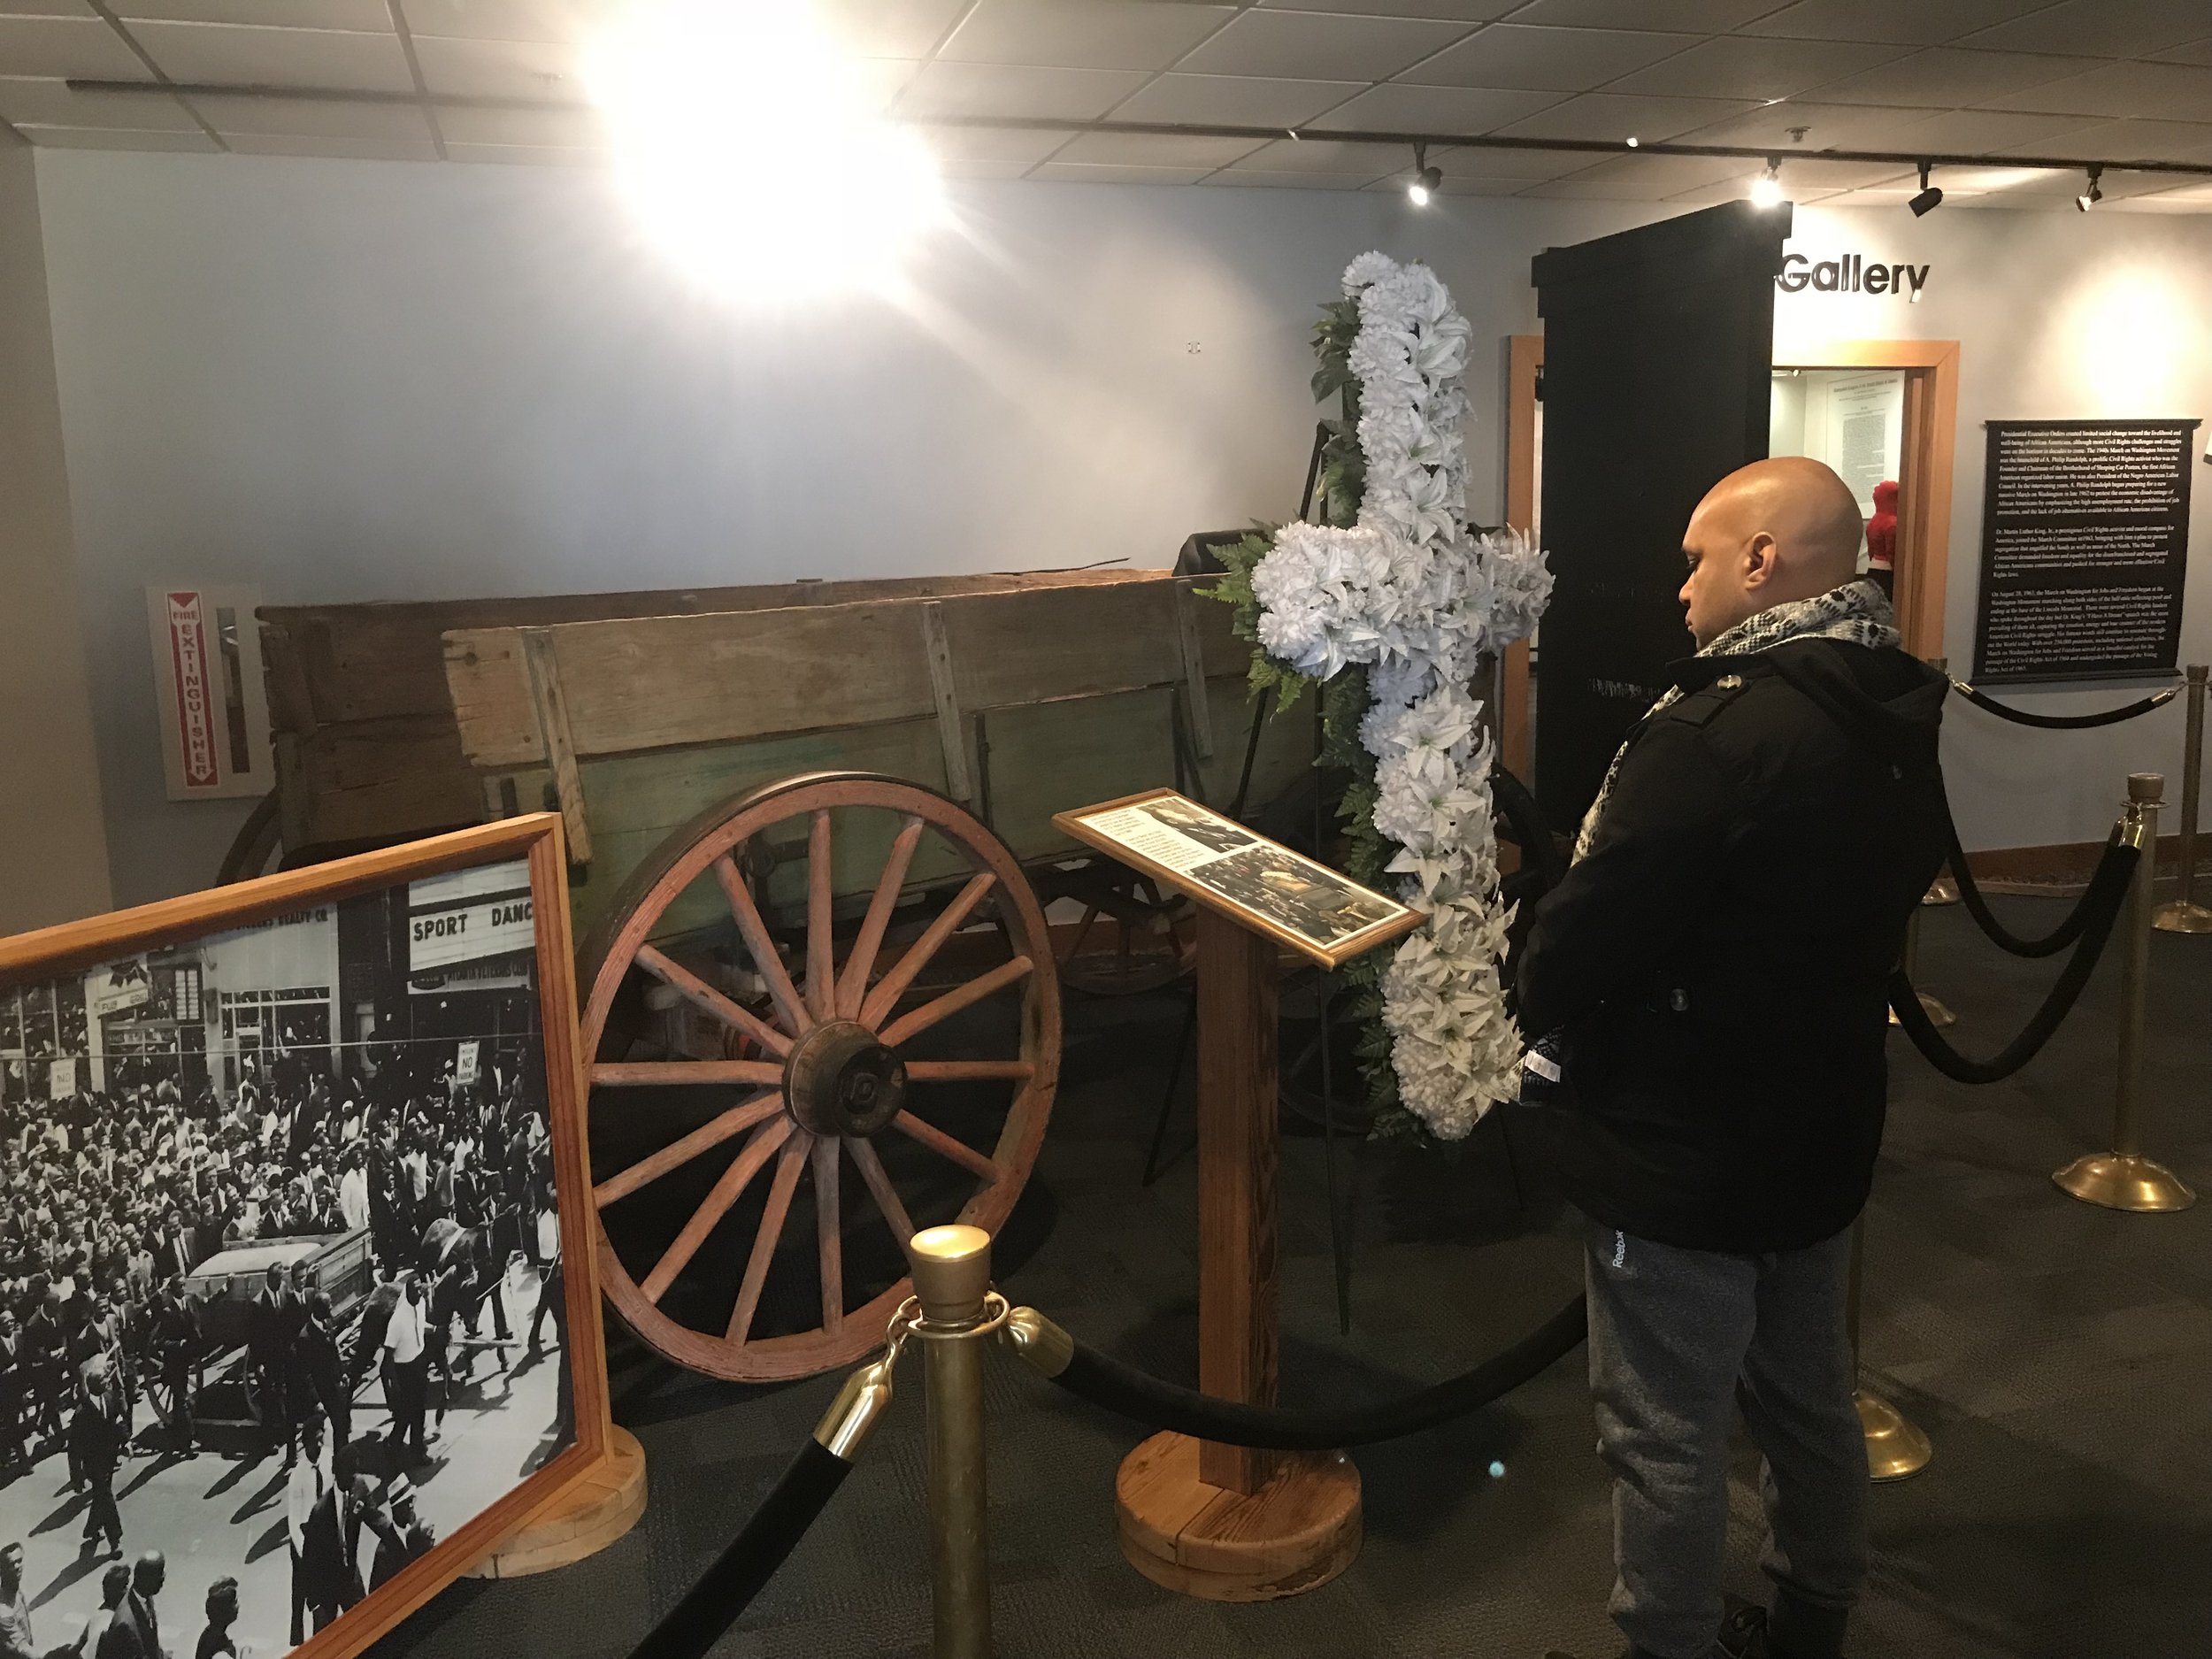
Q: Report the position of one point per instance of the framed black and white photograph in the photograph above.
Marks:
(292, 1177)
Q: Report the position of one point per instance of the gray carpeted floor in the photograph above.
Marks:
(2059, 1356)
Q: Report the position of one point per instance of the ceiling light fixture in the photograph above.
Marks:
(1631, 141)
(1426, 180)
(2089, 198)
(1930, 197)
(1766, 190)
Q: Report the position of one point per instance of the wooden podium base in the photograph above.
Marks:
(1299, 1530)
(580, 1520)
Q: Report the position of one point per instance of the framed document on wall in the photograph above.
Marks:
(305, 1270)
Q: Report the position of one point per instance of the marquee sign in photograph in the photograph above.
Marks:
(2085, 544)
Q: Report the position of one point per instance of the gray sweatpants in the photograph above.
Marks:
(1679, 1337)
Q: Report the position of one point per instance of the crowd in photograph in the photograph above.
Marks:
(114, 1345)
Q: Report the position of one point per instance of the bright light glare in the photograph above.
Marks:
(1417, 194)
(751, 150)
(1766, 191)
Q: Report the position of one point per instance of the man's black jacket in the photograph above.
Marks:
(1717, 961)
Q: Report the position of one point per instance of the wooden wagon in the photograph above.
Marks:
(811, 829)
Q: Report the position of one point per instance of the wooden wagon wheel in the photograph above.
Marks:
(833, 1083)
(1133, 936)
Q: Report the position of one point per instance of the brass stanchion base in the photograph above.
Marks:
(1894, 1447)
(1299, 1530)
(2126, 1181)
(1938, 1016)
(2178, 916)
(1942, 891)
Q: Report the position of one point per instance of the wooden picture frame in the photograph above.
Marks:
(295, 900)
(1396, 920)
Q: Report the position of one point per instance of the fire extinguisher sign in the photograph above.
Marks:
(188, 666)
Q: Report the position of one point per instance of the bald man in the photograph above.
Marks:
(1711, 977)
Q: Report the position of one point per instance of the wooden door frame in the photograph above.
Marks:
(1924, 521)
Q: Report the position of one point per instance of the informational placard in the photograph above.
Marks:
(61, 1078)
(2085, 544)
(464, 1062)
(208, 691)
(1261, 883)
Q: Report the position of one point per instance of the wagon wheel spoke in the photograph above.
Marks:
(852, 987)
(709, 1001)
(1075, 947)
(945, 1146)
(821, 990)
(968, 1071)
(710, 1135)
(790, 1164)
(952, 1001)
(748, 1164)
(880, 1189)
(760, 946)
(893, 986)
(631, 1073)
(829, 1238)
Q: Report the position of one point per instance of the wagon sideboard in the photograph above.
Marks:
(1017, 704)
(362, 725)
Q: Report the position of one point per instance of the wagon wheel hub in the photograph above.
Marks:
(839, 1080)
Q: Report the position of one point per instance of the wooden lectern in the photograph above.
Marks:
(1227, 1523)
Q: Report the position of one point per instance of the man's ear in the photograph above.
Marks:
(1759, 559)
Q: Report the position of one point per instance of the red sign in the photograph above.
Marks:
(187, 660)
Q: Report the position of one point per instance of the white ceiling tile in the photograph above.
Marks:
(1710, 195)
(312, 117)
(573, 129)
(1696, 17)
(1233, 100)
(1669, 173)
(2028, 182)
(1914, 22)
(1016, 90)
(2176, 92)
(2166, 204)
(1546, 60)
(2199, 193)
(49, 102)
(526, 154)
(957, 146)
(46, 9)
(511, 19)
(983, 169)
(1154, 150)
(1082, 34)
(102, 138)
(1319, 155)
(2126, 141)
(1972, 132)
(1321, 46)
(226, 54)
(1398, 107)
(332, 148)
(1257, 180)
(1815, 172)
(499, 69)
(1825, 126)
(1480, 161)
(1618, 118)
(2102, 28)
(1452, 185)
(84, 47)
(2194, 52)
(1946, 77)
(1081, 173)
(1599, 190)
(1455, 10)
(889, 28)
(371, 15)
(1742, 66)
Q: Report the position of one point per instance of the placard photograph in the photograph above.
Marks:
(281, 1299)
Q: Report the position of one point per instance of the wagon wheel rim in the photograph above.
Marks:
(825, 1030)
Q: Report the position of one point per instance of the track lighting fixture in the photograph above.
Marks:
(1930, 197)
(1766, 190)
(1426, 180)
(2089, 198)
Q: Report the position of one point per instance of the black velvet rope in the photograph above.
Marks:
(2106, 883)
(1906, 1001)
(2064, 722)
(727, 1588)
(1134, 1394)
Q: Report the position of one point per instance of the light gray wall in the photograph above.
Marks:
(356, 380)
(2058, 315)
(51, 830)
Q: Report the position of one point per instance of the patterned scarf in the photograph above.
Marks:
(1857, 611)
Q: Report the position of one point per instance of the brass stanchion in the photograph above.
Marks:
(1938, 1016)
(1943, 890)
(1894, 1447)
(952, 1285)
(2182, 915)
(2123, 1179)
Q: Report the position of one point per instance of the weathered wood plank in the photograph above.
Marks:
(944, 690)
(549, 702)
(1063, 642)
